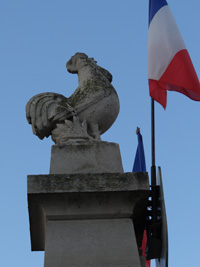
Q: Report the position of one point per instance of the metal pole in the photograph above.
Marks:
(153, 167)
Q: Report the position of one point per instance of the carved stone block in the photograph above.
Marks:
(95, 157)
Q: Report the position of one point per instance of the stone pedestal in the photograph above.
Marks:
(88, 219)
(96, 157)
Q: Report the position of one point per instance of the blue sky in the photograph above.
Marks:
(37, 39)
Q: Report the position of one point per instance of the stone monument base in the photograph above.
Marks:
(95, 157)
(97, 242)
(88, 219)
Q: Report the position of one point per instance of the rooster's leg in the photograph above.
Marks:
(94, 131)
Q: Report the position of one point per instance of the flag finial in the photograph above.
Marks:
(137, 130)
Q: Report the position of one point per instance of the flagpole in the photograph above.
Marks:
(153, 166)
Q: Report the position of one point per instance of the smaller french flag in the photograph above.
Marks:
(169, 64)
(140, 166)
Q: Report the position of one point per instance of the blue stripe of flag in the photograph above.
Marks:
(154, 6)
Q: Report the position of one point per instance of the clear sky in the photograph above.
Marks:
(37, 39)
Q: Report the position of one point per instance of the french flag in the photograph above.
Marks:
(169, 63)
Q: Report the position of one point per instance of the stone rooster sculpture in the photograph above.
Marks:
(86, 114)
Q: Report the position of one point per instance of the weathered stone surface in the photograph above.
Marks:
(85, 197)
(95, 102)
(88, 182)
(103, 243)
(95, 157)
